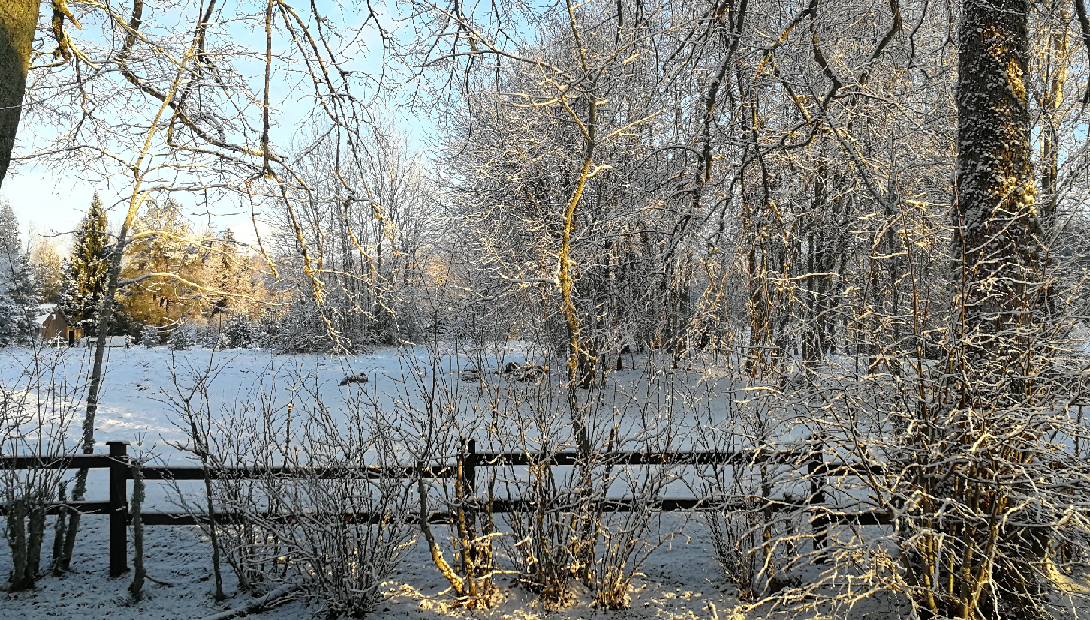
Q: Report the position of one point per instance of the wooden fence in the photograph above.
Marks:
(121, 470)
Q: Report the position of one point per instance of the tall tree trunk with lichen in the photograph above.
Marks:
(17, 21)
(980, 565)
(997, 229)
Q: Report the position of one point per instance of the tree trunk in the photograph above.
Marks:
(995, 571)
(136, 588)
(997, 218)
(17, 21)
(94, 390)
(1052, 86)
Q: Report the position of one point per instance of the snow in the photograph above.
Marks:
(175, 555)
(680, 581)
(132, 406)
(43, 312)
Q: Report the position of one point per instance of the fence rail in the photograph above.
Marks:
(121, 471)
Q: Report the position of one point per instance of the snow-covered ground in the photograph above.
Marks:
(133, 405)
(139, 384)
(681, 581)
(681, 577)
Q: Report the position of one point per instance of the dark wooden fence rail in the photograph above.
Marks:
(120, 469)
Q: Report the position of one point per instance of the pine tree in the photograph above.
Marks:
(163, 243)
(85, 280)
(239, 331)
(48, 270)
(9, 230)
(23, 295)
(267, 330)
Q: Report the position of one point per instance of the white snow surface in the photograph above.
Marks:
(133, 406)
(679, 580)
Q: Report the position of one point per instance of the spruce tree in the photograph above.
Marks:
(85, 281)
(149, 336)
(18, 297)
(24, 298)
(182, 337)
(239, 331)
(9, 230)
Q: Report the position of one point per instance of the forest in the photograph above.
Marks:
(579, 236)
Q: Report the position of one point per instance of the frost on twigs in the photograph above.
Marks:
(36, 415)
(337, 525)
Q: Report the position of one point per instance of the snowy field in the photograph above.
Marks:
(680, 579)
(139, 384)
(135, 405)
(681, 582)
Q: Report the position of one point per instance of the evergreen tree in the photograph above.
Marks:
(9, 231)
(163, 243)
(24, 297)
(86, 277)
(239, 331)
(267, 330)
(149, 336)
(183, 336)
(48, 271)
(18, 298)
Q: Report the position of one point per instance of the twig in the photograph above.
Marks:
(273, 599)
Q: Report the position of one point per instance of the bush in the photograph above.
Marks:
(340, 563)
(36, 414)
(183, 336)
(266, 329)
(149, 336)
(219, 342)
(239, 331)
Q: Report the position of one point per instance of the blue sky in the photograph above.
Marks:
(51, 202)
(43, 201)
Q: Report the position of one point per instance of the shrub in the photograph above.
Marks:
(239, 332)
(149, 336)
(339, 562)
(35, 415)
(183, 336)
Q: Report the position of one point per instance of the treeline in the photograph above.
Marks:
(201, 284)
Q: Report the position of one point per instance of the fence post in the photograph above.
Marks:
(469, 469)
(815, 469)
(119, 509)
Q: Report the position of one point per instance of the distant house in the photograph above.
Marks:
(53, 324)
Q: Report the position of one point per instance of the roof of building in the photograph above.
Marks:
(44, 312)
